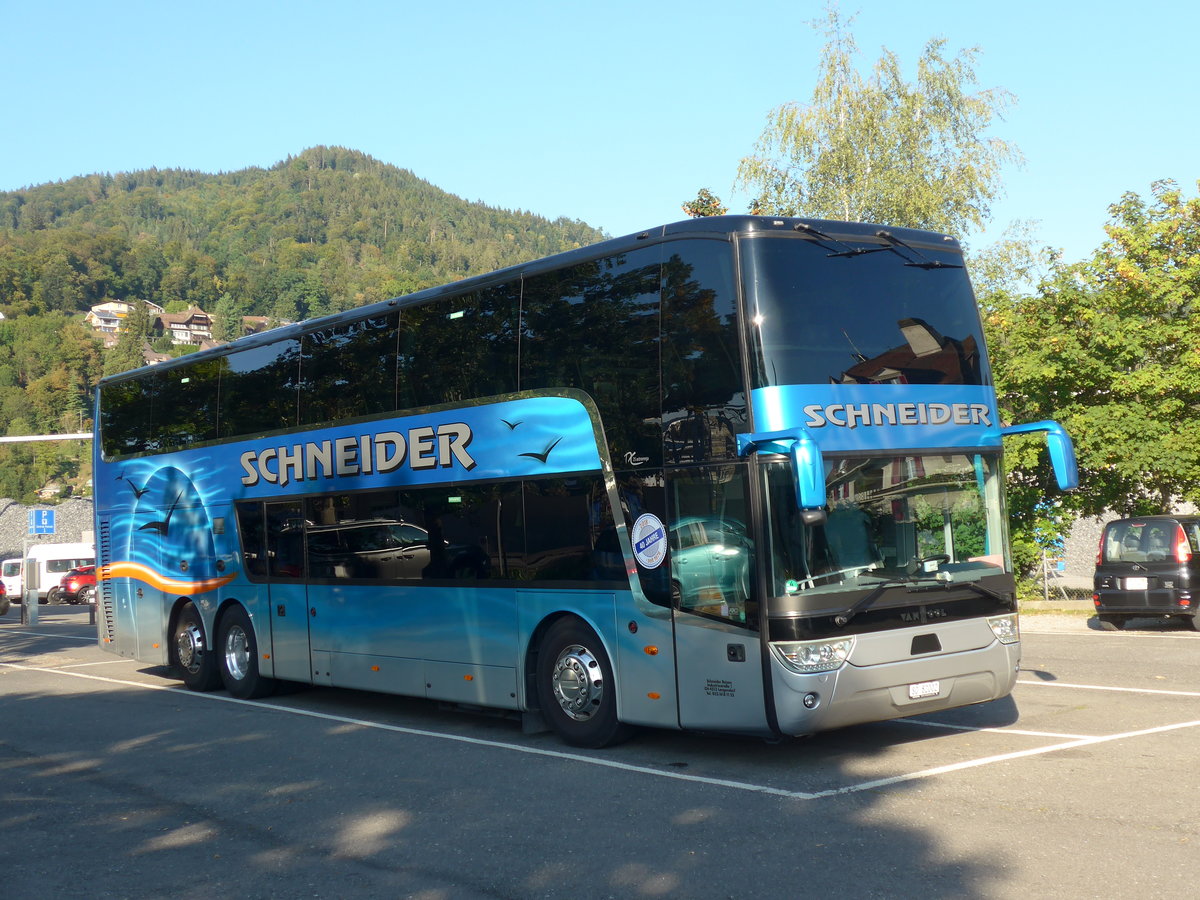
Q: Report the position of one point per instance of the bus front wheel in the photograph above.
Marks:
(238, 650)
(576, 688)
(197, 665)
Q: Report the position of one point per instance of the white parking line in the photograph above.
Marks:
(106, 662)
(1102, 687)
(1002, 757)
(69, 637)
(612, 764)
(949, 727)
(1116, 635)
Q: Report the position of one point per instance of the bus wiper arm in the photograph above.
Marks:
(821, 239)
(987, 592)
(921, 262)
(841, 620)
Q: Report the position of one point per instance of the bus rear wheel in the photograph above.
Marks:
(197, 665)
(238, 649)
(576, 688)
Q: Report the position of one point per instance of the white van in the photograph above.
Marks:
(56, 560)
(10, 573)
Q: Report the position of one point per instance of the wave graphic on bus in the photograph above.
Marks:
(162, 535)
(141, 572)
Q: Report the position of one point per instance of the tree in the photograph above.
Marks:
(135, 333)
(1111, 348)
(705, 204)
(227, 319)
(883, 149)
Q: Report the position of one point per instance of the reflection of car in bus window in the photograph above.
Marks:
(386, 550)
(710, 562)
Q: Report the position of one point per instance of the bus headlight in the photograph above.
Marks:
(813, 656)
(1005, 628)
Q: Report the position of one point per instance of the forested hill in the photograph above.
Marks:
(321, 232)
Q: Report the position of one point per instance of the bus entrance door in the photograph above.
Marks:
(284, 566)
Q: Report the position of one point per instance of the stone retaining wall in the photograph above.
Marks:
(73, 522)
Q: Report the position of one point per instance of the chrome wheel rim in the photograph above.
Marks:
(578, 682)
(189, 647)
(237, 653)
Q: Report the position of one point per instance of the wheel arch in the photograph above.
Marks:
(534, 647)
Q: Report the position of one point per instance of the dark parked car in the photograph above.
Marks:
(77, 586)
(1148, 566)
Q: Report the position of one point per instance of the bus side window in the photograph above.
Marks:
(250, 528)
(338, 361)
(285, 541)
(704, 401)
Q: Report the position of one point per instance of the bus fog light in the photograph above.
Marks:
(811, 700)
(1005, 628)
(814, 656)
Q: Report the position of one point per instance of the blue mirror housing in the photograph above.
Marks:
(1062, 451)
(808, 468)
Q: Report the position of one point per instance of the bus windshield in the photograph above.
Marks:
(883, 316)
(885, 515)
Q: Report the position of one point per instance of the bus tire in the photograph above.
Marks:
(576, 688)
(237, 650)
(196, 664)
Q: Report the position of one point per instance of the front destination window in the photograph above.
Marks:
(835, 313)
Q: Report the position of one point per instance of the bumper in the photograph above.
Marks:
(854, 694)
(1163, 602)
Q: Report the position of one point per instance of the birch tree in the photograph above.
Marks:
(883, 149)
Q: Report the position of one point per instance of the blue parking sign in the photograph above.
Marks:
(41, 521)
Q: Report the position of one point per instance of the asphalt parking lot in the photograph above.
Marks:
(117, 783)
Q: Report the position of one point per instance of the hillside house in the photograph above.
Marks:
(107, 317)
(194, 326)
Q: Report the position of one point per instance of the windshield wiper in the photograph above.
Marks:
(922, 261)
(912, 257)
(821, 239)
(841, 620)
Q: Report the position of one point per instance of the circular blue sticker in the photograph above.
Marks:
(649, 541)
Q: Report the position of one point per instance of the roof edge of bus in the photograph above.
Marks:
(718, 226)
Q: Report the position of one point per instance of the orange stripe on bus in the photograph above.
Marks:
(154, 579)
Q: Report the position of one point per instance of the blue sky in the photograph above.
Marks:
(612, 112)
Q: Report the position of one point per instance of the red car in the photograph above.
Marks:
(5, 603)
(77, 586)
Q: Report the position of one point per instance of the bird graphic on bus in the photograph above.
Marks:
(163, 526)
(137, 491)
(545, 454)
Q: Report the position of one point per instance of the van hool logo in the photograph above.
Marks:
(854, 415)
(426, 447)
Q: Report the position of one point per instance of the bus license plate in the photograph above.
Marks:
(1136, 584)
(924, 689)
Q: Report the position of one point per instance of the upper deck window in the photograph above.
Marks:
(823, 313)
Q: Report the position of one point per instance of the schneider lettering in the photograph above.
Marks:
(854, 415)
(426, 447)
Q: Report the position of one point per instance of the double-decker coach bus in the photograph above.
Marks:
(735, 473)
